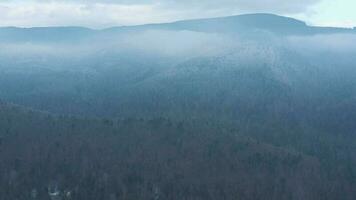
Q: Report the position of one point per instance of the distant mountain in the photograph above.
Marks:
(240, 23)
(44, 34)
(233, 24)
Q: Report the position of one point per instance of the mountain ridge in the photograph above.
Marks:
(236, 24)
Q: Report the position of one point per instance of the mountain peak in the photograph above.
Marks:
(236, 24)
(269, 18)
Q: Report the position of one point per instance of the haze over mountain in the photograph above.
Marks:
(254, 106)
(239, 24)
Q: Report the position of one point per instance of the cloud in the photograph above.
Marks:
(177, 43)
(66, 14)
(342, 43)
(280, 6)
(104, 13)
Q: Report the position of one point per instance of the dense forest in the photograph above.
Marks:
(156, 159)
(226, 108)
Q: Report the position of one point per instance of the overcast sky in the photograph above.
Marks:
(105, 13)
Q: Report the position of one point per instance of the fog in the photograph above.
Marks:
(331, 43)
(165, 43)
(179, 44)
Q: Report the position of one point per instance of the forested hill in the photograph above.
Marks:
(144, 159)
(243, 107)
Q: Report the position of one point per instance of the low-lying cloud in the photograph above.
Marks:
(332, 43)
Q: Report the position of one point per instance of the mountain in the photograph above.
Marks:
(232, 24)
(240, 24)
(224, 108)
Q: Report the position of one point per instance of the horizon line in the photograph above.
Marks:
(172, 22)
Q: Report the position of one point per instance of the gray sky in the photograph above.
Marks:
(105, 13)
